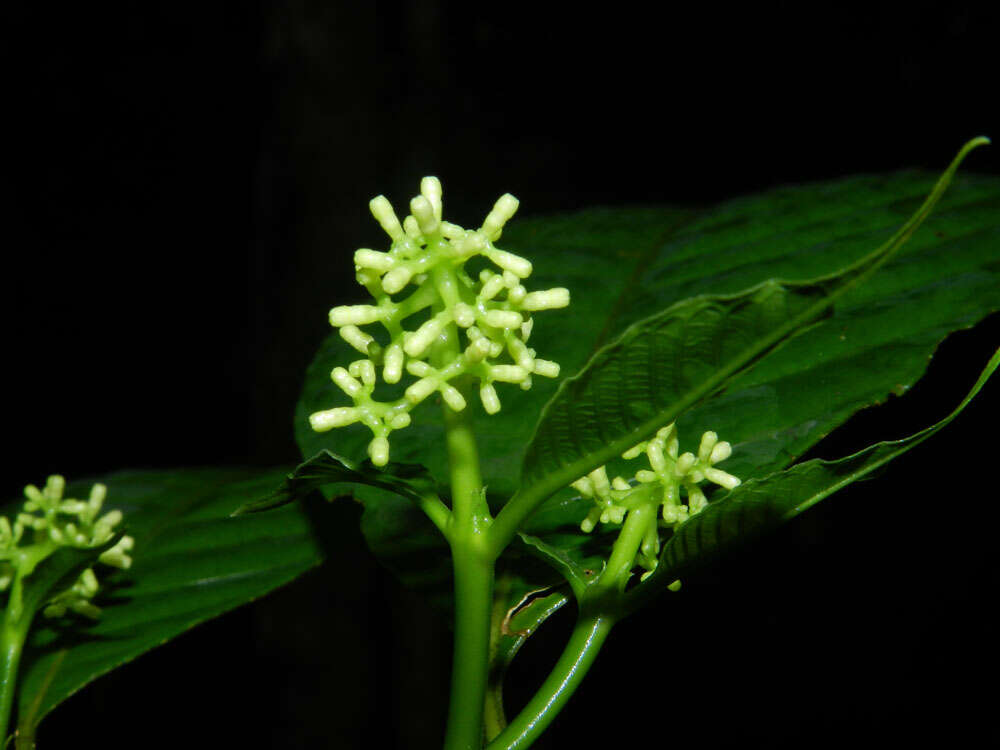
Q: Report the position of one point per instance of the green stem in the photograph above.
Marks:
(584, 644)
(470, 666)
(13, 632)
(626, 547)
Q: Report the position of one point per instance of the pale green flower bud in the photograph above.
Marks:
(721, 478)
(421, 390)
(546, 368)
(465, 315)
(424, 336)
(502, 212)
(520, 267)
(708, 441)
(452, 397)
(399, 421)
(491, 288)
(373, 259)
(345, 382)
(685, 462)
(356, 338)
(550, 299)
(396, 279)
(503, 318)
(488, 395)
(378, 451)
(430, 188)
(423, 212)
(354, 315)
(393, 369)
(340, 416)
(382, 211)
(508, 373)
(720, 452)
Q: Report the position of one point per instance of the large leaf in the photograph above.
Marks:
(666, 364)
(622, 265)
(761, 504)
(192, 563)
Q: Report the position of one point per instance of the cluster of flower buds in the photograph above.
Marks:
(662, 484)
(49, 521)
(426, 264)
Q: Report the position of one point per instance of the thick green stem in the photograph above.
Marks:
(584, 644)
(13, 632)
(470, 666)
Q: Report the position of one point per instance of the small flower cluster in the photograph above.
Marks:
(494, 310)
(661, 484)
(52, 521)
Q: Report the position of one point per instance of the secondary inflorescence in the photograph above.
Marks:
(49, 521)
(426, 262)
(670, 480)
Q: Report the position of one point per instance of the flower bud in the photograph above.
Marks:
(708, 441)
(341, 416)
(423, 212)
(393, 369)
(382, 211)
(721, 478)
(423, 337)
(378, 451)
(550, 299)
(354, 315)
(421, 390)
(520, 267)
(396, 279)
(399, 421)
(345, 382)
(356, 338)
(546, 369)
(381, 262)
(721, 452)
(503, 318)
(465, 315)
(508, 373)
(491, 402)
(491, 287)
(502, 211)
(452, 397)
(430, 188)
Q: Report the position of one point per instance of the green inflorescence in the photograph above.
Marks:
(661, 485)
(49, 521)
(427, 259)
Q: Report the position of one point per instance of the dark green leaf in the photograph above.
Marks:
(621, 264)
(664, 365)
(761, 504)
(192, 562)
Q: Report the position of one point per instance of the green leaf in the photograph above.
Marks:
(192, 562)
(762, 504)
(623, 264)
(662, 366)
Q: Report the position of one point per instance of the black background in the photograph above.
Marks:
(189, 180)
